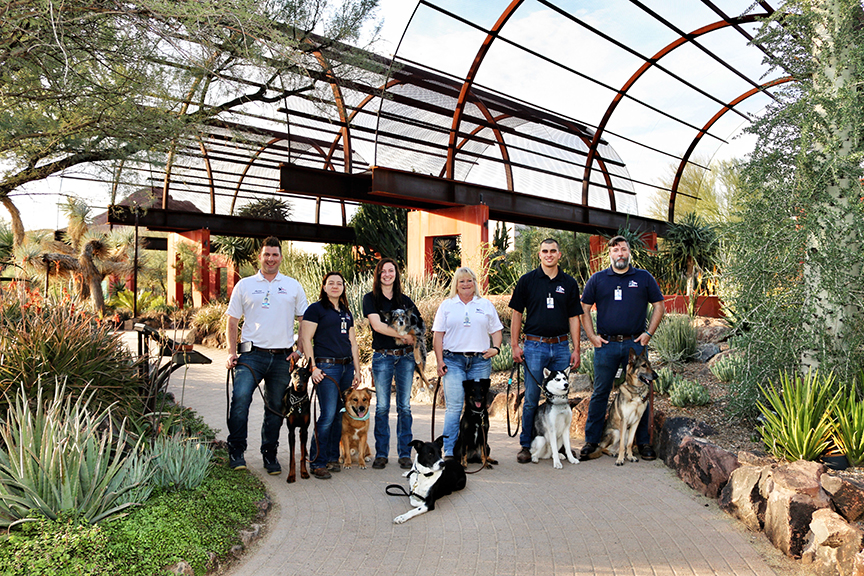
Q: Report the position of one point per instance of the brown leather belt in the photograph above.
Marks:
(545, 340)
(396, 351)
(280, 351)
(619, 337)
(332, 360)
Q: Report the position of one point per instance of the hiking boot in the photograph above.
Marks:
(236, 461)
(321, 473)
(405, 463)
(588, 451)
(271, 464)
(379, 463)
(334, 467)
(524, 456)
(647, 452)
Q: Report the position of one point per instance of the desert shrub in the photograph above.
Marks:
(666, 380)
(125, 299)
(727, 369)
(62, 458)
(675, 340)
(179, 463)
(504, 359)
(797, 423)
(586, 366)
(849, 422)
(210, 324)
(55, 340)
(689, 393)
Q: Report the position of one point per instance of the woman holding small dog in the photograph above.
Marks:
(392, 362)
(329, 338)
(462, 328)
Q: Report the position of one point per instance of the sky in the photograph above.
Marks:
(440, 42)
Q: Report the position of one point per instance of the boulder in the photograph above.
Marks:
(180, 568)
(847, 495)
(794, 493)
(833, 545)
(672, 434)
(754, 458)
(704, 466)
(704, 352)
(498, 408)
(712, 333)
(741, 497)
(580, 416)
(581, 383)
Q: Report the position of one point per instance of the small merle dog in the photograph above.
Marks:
(472, 445)
(410, 322)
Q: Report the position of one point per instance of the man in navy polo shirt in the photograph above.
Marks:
(550, 300)
(622, 294)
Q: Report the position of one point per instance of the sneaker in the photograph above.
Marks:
(379, 463)
(236, 461)
(334, 467)
(271, 463)
(588, 451)
(405, 463)
(524, 456)
(321, 473)
(647, 452)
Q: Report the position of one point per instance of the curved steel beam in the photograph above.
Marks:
(619, 96)
(209, 169)
(680, 172)
(339, 101)
(469, 80)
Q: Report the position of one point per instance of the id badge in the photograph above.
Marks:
(344, 327)
(550, 303)
(618, 293)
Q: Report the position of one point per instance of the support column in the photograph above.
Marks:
(469, 222)
(199, 241)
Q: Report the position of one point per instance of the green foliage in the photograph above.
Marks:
(675, 340)
(575, 251)
(504, 359)
(381, 232)
(60, 457)
(170, 526)
(146, 300)
(704, 192)
(849, 423)
(586, 365)
(666, 380)
(691, 245)
(727, 368)
(688, 393)
(179, 463)
(51, 337)
(797, 423)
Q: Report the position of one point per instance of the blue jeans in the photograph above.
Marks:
(538, 355)
(276, 372)
(387, 369)
(459, 369)
(328, 428)
(607, 359)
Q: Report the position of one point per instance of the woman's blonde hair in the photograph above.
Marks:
(461, 273)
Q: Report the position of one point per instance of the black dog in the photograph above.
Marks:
(430, 478)
(473, 442)
(295, 409)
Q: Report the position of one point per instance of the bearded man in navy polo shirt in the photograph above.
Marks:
(622, 294)
(550, 299)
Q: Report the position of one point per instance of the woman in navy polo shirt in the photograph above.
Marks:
(335, 366)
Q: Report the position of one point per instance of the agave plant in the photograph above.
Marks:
(849, 434)
(797, 418)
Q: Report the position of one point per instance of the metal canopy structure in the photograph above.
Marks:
(559, 113)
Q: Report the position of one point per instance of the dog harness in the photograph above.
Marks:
(295, 405)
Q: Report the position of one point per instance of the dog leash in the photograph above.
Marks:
(434, 402)
(515, 399)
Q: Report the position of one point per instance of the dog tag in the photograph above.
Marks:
(550, 303)
(618, 293)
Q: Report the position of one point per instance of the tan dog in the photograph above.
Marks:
(627, 409)
(355, 427)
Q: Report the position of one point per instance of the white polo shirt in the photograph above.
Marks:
(268, 309)
(466, 327)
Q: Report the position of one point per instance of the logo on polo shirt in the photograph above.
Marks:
(633, 284)
(281, 290)
(257, 291)
(559, 290)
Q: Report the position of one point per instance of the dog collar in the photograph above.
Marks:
(363, 419)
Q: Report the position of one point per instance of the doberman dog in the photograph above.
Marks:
(472, 445)
(295, 408)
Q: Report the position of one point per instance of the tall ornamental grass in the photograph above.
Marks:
(675, 340)
(849, 421)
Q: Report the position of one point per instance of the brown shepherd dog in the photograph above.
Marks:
(355, 427)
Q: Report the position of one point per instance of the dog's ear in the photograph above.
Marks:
(546, 372)
(439, 441)
(345, 394)
(416, 444)
(485, 383)
(567, 372)
(385, 317)
(632, 355)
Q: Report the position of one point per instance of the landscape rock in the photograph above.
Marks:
(581, 383)
(847, 495)
(704, 352)
(498, 408)
(712, 333)
(580, 416)
(794, 493)
(672, 435)
(704, 466)
(753, 458)
(741, 497)
(833, 545)
(181, 568)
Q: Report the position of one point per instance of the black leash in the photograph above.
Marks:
(434, 402)
(398, 487)
(515, 398)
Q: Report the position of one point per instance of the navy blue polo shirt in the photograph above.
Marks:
(625, 315)
(531, 296)
(331, 335)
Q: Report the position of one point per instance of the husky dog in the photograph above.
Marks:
(552, 420)
(627, 409)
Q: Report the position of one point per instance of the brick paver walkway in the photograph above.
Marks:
(590, 518)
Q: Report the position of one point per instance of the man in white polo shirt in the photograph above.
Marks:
(269, 302)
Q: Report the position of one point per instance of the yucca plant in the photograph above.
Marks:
(849, 426)
(179, 463)
(797, 417)
(61, 457)
(727, 369)
(675, 340)
(688, 393)
(666, 380)
(504, 359)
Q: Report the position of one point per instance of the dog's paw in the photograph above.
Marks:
(491, 461)
(362, 466)
(400, 519)
(619, 462)
(573, 460)
(346, 466)
(632, 458)
(534, 459)
(557, 464)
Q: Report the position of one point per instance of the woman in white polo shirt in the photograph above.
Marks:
(462, 328)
